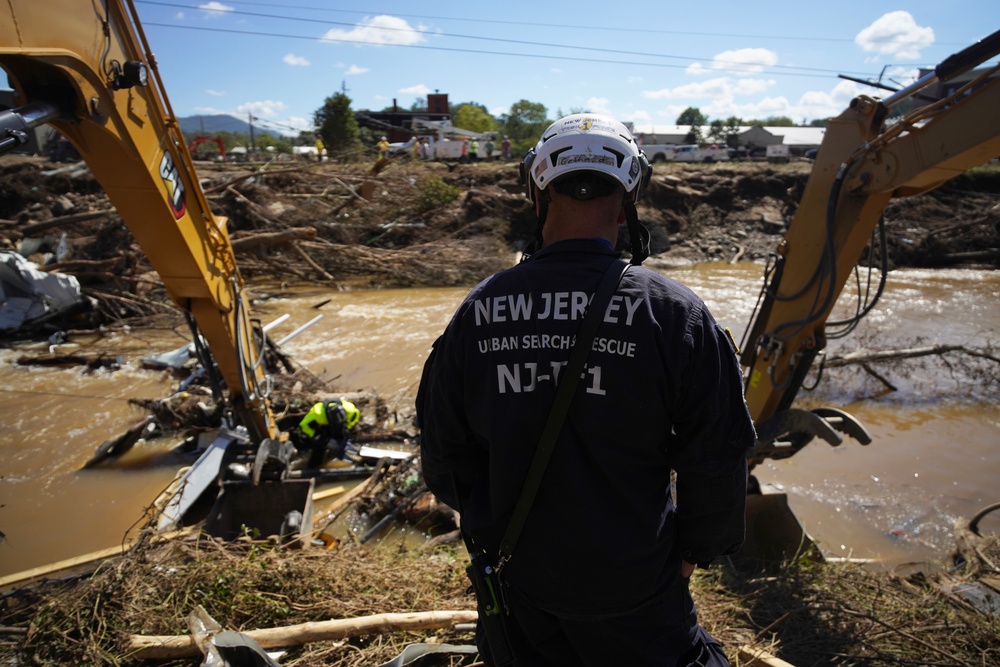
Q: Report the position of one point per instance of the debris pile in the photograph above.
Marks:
(408, 223)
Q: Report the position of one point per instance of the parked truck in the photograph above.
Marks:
(444, 140)
(777, 153)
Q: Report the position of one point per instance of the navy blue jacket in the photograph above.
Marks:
(662, 391)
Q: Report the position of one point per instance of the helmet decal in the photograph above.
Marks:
(587, 157)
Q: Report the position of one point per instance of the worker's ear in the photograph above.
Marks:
(622, 218)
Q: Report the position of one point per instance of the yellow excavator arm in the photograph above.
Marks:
(86, 69)
(862, 163)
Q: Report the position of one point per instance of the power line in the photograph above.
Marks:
(535, 24)
(433, 33)
(476, 51)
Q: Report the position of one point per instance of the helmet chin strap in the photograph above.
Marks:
(537, 242)
(638, 235)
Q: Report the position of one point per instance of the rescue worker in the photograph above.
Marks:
(600, 572)
(505, 147)
(325, 431)
(383, 147)
(474, 150)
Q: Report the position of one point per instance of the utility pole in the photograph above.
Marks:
(253, 147)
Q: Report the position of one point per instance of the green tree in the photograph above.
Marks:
(731, 127)
(473, 117)
(524, 124)
(572, 110)
(717, 131)
(694, 136)
(271, 144)
(692, 116)
(336, 125)
(778, 121)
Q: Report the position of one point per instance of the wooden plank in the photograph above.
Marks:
(59, 569)
(758, 657)
(328, 493)
(76, 565)
(168, 647)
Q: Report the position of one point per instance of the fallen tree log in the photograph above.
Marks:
(36, 227)
(92, 361)
(167, 647)
(311, 262)
(74, 265)
(865, 357)
(272, 239)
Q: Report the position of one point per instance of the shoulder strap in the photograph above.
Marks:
(569, 378)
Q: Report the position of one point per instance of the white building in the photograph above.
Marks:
(798, 139)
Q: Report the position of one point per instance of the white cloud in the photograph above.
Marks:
(897, 35)
(811, 105)
(263, 108)
(822, 104)
(295, 61)
(638, 117)
(379, 31)
(216, 93)
(762, 108)
(670, 113)
(298, 123)
(354, 70)
(739, 61)
(211, 111)
(721, 87)
(214, 9)
(419, 89)
(723, 97)
(599, 105)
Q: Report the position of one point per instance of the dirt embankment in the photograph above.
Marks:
(405, 223)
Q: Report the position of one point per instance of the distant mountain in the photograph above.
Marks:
(198, 125)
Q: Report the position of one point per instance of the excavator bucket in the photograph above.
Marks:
(280, 507)
(773, 532)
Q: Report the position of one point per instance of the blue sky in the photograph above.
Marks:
(643, 61)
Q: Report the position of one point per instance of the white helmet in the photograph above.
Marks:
(586, 142)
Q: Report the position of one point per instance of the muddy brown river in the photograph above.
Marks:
(935, 454)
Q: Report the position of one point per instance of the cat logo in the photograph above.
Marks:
(175, 188)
